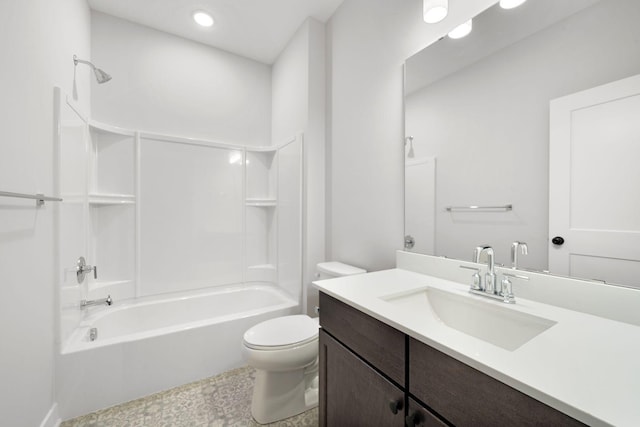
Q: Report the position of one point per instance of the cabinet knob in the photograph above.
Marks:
(558, 240)
(395, 406)
(413, 420)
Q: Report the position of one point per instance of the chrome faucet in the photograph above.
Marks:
(489, 287)
(490, 276)
(88, 303)
(524, 250)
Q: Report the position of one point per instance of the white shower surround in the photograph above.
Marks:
(174, 319)
(155, 343)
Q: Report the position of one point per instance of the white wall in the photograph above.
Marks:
(289, 82)
(38, 39)
(506, 147)
(206, 232)
(369, 41)
(166, 84)
(299, 106)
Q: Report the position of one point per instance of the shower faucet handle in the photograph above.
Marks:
(82, 269)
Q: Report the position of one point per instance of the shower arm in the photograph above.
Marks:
(101, 76)
(82, 61)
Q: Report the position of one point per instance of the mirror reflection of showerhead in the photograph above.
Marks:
(409, 139)
(101, 76)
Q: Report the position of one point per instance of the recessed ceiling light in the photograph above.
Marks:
(203, 18)
(461, 30)
(510, 4)
(435, 10)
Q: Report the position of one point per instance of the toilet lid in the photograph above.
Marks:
(338, 269)
(282, 331)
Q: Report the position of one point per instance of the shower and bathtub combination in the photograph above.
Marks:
(195, 242)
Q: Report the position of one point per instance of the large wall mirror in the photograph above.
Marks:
(526, 130)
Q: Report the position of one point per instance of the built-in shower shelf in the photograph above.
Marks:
(263, 149)
(111, 199)
(262, 202)
(105, 128)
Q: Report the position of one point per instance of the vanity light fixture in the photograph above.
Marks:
(510, 4)
(203, 18)
(435, 10)
(461, 30)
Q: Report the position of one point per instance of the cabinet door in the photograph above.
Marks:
(468, 397)
(374, 341)
(419, 416)
(352, 393)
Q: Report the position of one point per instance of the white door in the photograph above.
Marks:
(594, 183)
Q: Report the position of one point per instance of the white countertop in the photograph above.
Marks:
(585, 366)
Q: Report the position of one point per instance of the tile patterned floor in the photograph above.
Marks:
(220, 401)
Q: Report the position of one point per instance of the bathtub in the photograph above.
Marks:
(152, 344)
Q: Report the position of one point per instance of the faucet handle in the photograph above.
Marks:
(82, 269)
(507, 291)
(476, 285)
(507, 288)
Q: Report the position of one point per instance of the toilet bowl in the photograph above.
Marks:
(284, 353)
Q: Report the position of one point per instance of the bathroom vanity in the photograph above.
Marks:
(371, 368)
(399, 347)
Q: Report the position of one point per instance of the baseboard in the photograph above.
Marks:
(53, 417)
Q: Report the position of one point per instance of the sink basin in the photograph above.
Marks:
(490, 322)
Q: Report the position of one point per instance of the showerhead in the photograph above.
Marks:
(409, 139)
(101, 76)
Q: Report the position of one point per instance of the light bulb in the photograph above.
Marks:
(435, 10)
(461, 30)
(203, 18)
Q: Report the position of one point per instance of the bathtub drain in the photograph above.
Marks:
(93, 334)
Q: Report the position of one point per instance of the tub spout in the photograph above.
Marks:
(88, 303)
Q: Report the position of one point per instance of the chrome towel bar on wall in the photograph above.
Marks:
(479, 208)
(39, 198)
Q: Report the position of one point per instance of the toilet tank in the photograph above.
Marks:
(329, 270)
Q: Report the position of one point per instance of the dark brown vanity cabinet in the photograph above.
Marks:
(354, 351)
(465, 396)
(354, 394)
(374, 375)
(418, 415)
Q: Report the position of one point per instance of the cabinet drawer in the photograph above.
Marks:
(354, 394)
(379, 344)
(467, 397)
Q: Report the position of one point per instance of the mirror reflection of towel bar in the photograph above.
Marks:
(39, 198)
(479, 208)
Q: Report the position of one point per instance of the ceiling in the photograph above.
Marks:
(256, 29)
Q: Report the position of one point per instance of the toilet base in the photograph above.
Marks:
(280, 395)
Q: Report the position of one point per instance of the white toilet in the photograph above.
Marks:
(284, 352)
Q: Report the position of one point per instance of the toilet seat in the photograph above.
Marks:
(282, 333)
